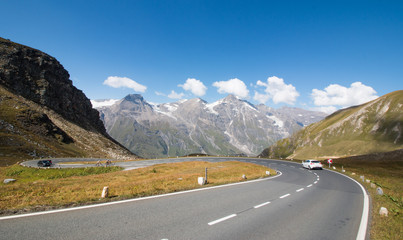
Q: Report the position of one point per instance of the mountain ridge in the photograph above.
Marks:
(372, 127)
(229, 126)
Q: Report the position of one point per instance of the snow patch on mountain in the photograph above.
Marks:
(277, 121)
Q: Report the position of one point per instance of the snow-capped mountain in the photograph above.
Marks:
(229, 126)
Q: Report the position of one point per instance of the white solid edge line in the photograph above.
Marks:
(261, 205)
(221, 219)
(362, 230)
(284, 196)
(134, 199)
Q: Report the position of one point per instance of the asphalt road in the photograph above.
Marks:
(298, 204)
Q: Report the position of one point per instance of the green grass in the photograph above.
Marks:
(25, 174)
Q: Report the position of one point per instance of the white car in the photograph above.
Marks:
(312, 164)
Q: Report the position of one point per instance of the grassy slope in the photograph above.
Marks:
(372, 127)
(28, 130)
(27, 133)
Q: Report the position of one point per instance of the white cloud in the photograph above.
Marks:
(276, 90)
(174, 95)
(195, 86)
(261, 98)
(336, 95)
(103, 103)
(118, 82)
(160, 94)
(325, 109)
(232, 86)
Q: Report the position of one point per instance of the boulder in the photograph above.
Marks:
(383, 211)
(9, 180)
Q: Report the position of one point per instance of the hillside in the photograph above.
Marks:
(372, 127)
(42, 114)
(230, 126)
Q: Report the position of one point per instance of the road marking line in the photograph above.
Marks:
(310, 185)
(315, 182)
(261, 205)
(221, 219)
(284, 196)
(299, 190)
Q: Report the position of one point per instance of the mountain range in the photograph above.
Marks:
(373, 127)
(230, 126)
(43, 115)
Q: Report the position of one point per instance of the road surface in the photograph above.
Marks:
(298, 204)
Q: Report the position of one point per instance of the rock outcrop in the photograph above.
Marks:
(42, 79)
(42, 115)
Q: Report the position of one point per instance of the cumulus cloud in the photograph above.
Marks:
(195, 86)
(232, 86)
(103, 103)
(174, 95)
(325, 109)
(118, 82)
(337, 95)
(261, 98)
(277, 90)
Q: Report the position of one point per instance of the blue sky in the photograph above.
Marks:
(309, 54)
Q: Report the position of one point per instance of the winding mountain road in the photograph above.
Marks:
(296, 204)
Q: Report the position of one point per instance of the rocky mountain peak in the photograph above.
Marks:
(42, 79)
(134, 98)
(42, 115)
(231, 98)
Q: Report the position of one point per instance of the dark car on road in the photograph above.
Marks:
(44, 163)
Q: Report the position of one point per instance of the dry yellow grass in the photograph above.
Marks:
(158, 179)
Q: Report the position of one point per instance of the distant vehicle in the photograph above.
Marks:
(44, 163)
(312, 164)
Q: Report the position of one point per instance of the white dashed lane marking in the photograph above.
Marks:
(265, 203)
(261, 205)
(284, 196)
(221, 219)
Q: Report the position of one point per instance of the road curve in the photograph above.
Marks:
(298, 204)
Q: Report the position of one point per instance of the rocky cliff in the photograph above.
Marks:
(43, 115)
(42, 79)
